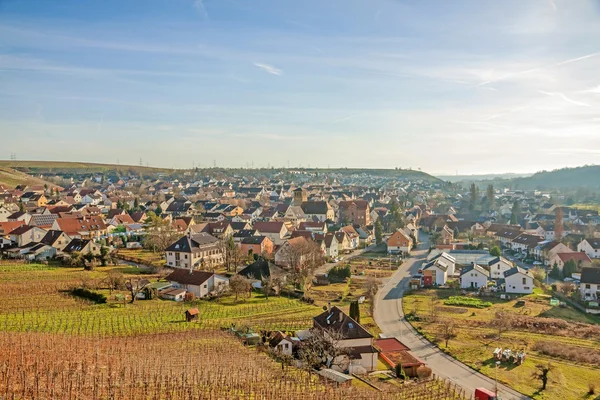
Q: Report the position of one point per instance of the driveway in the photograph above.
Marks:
(390, 318)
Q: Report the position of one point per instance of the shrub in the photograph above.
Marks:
(98, 298)
(467, 302)
(189, 296)
(424, 372)
(568, 352)
(339, 274)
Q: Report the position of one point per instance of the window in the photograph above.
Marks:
(185, 256)
(524, 281)
(588, 286)
(205, 286)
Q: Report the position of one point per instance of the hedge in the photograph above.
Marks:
(467, 302)
(89, 295)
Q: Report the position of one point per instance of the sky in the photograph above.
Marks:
(450, 87)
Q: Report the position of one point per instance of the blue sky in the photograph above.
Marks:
(445, 86)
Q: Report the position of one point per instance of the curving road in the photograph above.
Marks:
(390, 318)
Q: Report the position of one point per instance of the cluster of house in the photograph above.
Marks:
(362, 350)
(262, 216)
(476, 270)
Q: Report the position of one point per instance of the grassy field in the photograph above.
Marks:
(12, 178)
(478, 334)
(77, 167)
(594, 207)
(144, 256)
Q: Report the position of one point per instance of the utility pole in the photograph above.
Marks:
(214, 162)
(141, 162)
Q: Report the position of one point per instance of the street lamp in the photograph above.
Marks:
(497, 365)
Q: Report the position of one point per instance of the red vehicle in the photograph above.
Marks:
(484, 394)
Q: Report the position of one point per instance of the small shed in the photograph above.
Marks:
(339, 378)
(192, 314)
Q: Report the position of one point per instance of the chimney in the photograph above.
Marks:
(329, 307)
(341, 316)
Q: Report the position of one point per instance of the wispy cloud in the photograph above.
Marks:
(199, 6)
(269, 68)
(594, 90)
(345, 118)
(565, 98)
(528, 71)
(270, 136)
(553, 4)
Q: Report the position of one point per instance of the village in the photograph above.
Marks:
(330, 241)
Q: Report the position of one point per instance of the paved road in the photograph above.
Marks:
(390, 318)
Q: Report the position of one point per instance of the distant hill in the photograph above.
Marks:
(11, 178)
(475, 178)
(567, 178)
(55, 167)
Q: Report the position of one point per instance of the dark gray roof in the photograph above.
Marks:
(477, 268)
(590, 275)
(594, 242)
(516, 270)
(315, 207)
(76, 245)
(189, 277)
(188, 244)
(257, 270)
(253, 239)
(339, 321)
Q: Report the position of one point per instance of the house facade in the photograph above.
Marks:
(590, 246)
(399, 242)
(518, 280)
(590, 284)
(474, 277)
(194, 251)
(200, 283)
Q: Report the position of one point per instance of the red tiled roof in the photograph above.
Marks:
(576, 255)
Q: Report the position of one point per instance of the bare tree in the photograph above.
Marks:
(566, 288)
(323, 347)
(371, 287)
(159, 233)
(115, 281)
(135, 287)
(267, 286)
(447, 331)
(502, 323)
(240, 285)
(232, 254)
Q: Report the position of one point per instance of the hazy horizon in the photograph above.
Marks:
(475, 87)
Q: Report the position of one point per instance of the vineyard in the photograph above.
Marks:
(57, 346)
(204, 364)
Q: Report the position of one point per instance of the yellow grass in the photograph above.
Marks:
(474, 345)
